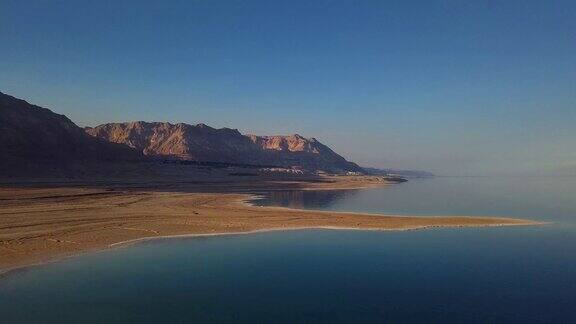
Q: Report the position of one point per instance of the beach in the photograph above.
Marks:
(49, 221)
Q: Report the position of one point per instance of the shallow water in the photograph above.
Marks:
(540, 198)
(504, 275)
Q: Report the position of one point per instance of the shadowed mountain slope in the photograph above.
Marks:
(33, 137)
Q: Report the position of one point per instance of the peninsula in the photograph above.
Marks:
(66, 190)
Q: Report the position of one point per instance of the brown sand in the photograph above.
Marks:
(38, 224)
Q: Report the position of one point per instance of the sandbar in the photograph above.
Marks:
(40, 223)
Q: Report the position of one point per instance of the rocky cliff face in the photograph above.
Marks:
(34, 135)
(204, 143)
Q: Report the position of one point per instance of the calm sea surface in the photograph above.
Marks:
(482, 275)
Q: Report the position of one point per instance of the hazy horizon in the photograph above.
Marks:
(455, 88)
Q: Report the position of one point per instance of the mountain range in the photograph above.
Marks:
(34, 138)
(204, 143)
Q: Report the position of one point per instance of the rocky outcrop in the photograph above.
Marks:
(204, 143)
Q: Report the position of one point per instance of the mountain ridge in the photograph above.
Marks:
(35, 140)
(201, 142)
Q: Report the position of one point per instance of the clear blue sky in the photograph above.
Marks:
(455, 87)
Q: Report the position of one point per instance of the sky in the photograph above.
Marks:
(452, 87)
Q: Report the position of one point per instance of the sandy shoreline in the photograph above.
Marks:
(124, 244)
(44, 224)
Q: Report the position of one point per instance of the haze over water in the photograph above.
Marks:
(539, 198)
(504, 275)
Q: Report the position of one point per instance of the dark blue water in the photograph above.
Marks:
(496, 275)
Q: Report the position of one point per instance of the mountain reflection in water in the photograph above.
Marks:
(301, 199)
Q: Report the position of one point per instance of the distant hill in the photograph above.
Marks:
(401, 173)
(36, 137)
(204, 143)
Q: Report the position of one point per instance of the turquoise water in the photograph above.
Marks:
(495, 275)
